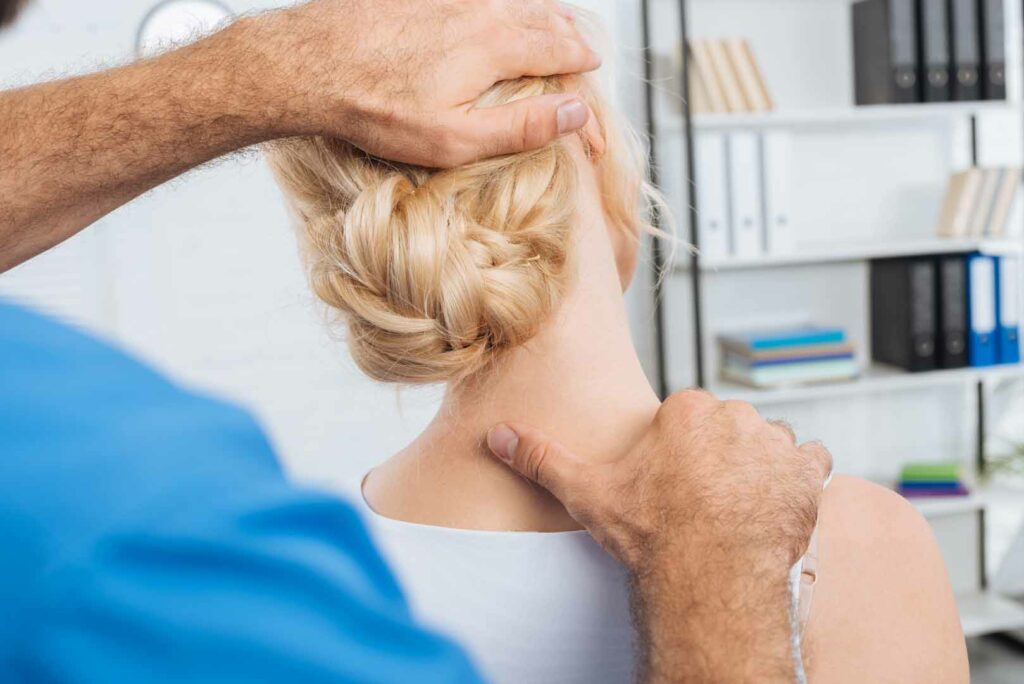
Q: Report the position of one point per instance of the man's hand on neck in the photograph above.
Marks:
(396, 78)
(709, 512)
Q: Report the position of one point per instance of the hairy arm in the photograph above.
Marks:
(75, 150)
(396, 78)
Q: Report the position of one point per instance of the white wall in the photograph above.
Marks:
(201, 276)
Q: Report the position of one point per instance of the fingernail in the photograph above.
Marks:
(567, 11)
(502, 440)
(572, 115)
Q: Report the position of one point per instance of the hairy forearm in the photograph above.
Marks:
(76, 149)
(697, 630)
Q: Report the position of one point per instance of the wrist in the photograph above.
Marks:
(693, 616)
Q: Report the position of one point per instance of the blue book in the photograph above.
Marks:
(934, 484)
(982, 310)
(795, 337)
(1008, 297)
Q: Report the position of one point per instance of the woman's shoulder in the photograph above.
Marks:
(462, 490)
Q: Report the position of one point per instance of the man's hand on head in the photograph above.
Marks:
(400, 78)
(708, 512)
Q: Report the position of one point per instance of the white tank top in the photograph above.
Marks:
(530, 607)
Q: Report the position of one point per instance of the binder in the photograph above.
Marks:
(712, 195)
(982, 310)
(886, 67)
(965, 36)
(700, 101)
(904, 322)
(746, 217)
(993, 47)
(777, 190)
(934, 50)
(1008, 269)
(735, 99)
(701, 55)
(985, 202)
(751, 80)
(951, 349)
(958, 206)
(1009, 189)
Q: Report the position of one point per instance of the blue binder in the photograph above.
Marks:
(1008, 318)
(982, 310)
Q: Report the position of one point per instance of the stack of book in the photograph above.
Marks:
(932, 479)
(724, 77)
(982, 203)
(779, 358)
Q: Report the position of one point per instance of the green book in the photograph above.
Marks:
(930, 472)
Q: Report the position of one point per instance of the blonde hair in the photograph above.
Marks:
(436, 272)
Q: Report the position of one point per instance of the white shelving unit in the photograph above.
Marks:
(850, 116)
(987, 613)
(869, 182)
(938, 506)
(864, 251)
(876, 379)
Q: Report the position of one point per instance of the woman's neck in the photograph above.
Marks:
(579, 380)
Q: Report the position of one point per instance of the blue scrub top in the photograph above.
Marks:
(148, 534)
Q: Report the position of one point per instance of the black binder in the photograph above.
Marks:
(993, 44)
(934, 50)
(903, 313)
(965, 39)
(951, 350)
(885, 52)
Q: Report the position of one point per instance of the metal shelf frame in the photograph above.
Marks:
(697, 270)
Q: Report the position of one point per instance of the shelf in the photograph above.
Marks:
(987, 613)
(939, 506)
(844, 116)
(874, 380)
(861, 251)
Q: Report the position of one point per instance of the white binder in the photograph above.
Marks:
(712, 195)
(777, 186)
(747, 217)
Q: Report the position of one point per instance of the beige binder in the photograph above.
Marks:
(751, 80)
(701, 54)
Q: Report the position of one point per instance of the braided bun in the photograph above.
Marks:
(436, 271)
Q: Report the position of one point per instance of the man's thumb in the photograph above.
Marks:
(529, 123)
(531, 454)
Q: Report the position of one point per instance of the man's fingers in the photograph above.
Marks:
(547, 53)
(819, 459)
(543, 41)
(533, 455)
(786, 429)
(525, 124)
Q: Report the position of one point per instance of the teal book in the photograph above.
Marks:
(807, 336)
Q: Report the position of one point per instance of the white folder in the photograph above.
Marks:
(777, 187)
(747, 217)
(712, 195)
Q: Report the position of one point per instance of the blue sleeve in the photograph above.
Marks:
(148, 534)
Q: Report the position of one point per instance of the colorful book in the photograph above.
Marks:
(744, 361)
(772, 340)
(930, 472)
(792, 374)
(959, 490)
